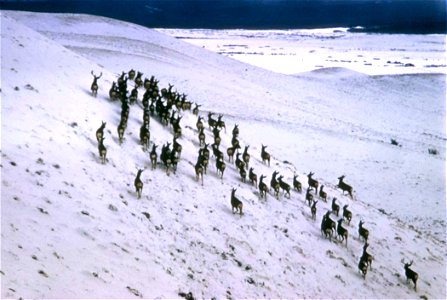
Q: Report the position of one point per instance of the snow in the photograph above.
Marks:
(302, 50)
(74, 228)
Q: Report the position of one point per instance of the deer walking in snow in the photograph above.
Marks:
(138, 183)
(94, 87)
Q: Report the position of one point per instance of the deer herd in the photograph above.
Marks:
(167, 106)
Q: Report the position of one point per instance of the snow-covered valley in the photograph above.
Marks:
(74, 228)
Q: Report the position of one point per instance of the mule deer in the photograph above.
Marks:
(312, 182)
(100, 131)
(94, 87)
(309, 197)
(253, 177)
(313, 210)
(102, 150)
(220, 166)
(138, 183)
(323, 194)
(246, 156)
(335, 207)
(347, 214)
(236, 204)
(235, 131)
(344, 187)
(363, 267)
(342, 232)
(153, 156)
(296, 184)
(410, 274)
(366, 256)
(263, 188)
(284, 186)
(265, 155)
(199, 170)
(363, 232)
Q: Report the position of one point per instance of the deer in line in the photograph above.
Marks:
(327, 225)
(138, 80)
(313, 210)
(153, 156)
(195, 110)
(343, 186)
(100, 131)
(342, 232)
(265, 155)
(236, 204)
(144, 136)
(165, 156)
(239, 162)
(363, 232)
(235, 131)
(366, 256)
(347, 214)
(312, 182)
(246, 156)
(263, 188)
(204, 156)
(174, 160)
(94, 87)
(133, 95)
(131, 74)
(410, 274)
(138, 183)
(199, 170)
(231, 151)
(335, 207)
(113, 92)
(284, 186)
(211, 122)
(296, 184)
(220, 166)
(323, 194)
(177, 146)
(253, 177)
(363, 267)
(220, 123)
(121, 128)
(309, 197)
(102, 150)
(243, 174)
(274, 184)
(235, 142)
(201, 137)
(199, 123)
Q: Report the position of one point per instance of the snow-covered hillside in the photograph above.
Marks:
(74, 228)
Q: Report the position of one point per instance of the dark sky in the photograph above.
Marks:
(401, 16)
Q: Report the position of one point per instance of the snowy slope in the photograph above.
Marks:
(302, 50)
(72, 227)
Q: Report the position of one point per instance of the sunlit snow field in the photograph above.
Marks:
(295, 51)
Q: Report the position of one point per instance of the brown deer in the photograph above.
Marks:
(410, 274)
(263, 188)
(344, 187)
(312, 182)
(100, 131)
(94, 87)
(296, 184)
(253, 177)
(265, 155)
(102, 150)
(138, 183)
(236, 204)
